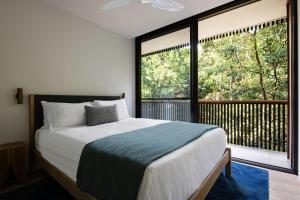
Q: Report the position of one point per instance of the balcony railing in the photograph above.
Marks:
(260, 124)
(166, 109)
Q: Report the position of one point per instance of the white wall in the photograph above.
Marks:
(47, 51)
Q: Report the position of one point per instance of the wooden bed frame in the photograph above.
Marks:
(36, 159)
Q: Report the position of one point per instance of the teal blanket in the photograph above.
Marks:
(112, 168)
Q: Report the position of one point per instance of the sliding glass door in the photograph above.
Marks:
(234, 66)
(165, 77)
(243, 80)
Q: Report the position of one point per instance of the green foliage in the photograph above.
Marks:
(166, 74)
(247, 66)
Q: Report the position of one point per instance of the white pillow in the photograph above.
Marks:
(58, 115)
(121, 107)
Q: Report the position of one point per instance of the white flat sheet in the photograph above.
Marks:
(173, 177)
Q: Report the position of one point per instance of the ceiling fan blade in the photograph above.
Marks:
(160, 4)
(115, 4)
(176, 7)
(169, 5)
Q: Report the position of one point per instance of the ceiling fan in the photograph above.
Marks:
(168, 5)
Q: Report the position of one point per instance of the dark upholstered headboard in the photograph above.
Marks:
(36, 118)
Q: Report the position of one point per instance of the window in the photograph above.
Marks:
(165, 77)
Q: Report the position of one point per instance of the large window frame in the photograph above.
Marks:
(192, 23)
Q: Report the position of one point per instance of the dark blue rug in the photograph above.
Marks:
(246, 183)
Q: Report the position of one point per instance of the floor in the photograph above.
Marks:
(284, 186)
(260, 155)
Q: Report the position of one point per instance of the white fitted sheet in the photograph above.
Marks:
(173, 177)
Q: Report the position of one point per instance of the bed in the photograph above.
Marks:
(58, 154)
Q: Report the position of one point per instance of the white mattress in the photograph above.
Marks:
(173, 177)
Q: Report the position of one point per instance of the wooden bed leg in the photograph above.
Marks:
(228, 165)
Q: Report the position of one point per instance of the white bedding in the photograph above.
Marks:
(173, 177)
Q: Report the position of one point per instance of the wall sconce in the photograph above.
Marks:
(19, 95)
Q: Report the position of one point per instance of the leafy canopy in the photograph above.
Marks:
(247, 66)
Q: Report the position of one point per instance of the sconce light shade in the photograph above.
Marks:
(19, 95)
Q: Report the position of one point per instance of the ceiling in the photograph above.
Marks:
(134, 19)
(252, 14)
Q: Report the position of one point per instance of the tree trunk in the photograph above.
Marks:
(261, 72)
(276, 80)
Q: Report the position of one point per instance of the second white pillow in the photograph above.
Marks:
(121, 107)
